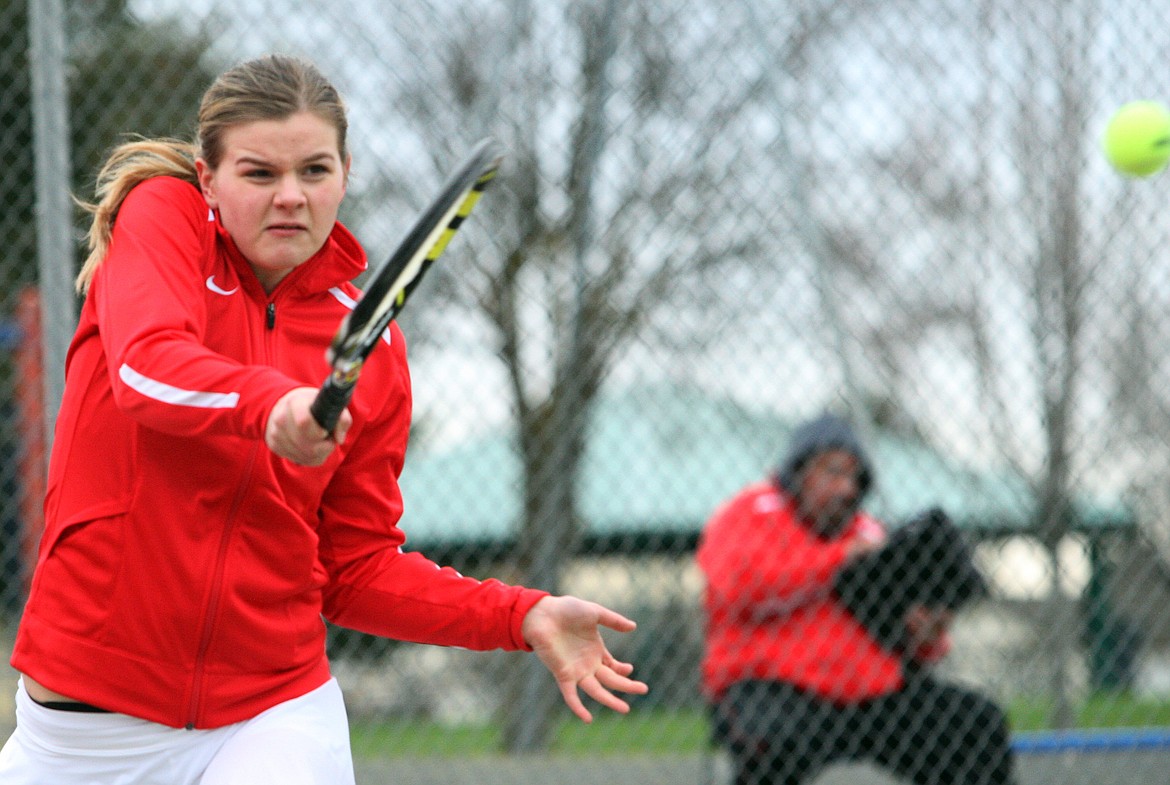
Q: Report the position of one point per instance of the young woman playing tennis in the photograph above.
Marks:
(199, 523)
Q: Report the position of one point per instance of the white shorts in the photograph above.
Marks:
(304, 741)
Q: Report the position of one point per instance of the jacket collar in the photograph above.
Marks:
(340, 260)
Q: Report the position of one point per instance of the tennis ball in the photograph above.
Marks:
(1137, 138)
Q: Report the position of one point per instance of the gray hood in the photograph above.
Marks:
(825, 433)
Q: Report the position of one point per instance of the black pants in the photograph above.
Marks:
(929, 733)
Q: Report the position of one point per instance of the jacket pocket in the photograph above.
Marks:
(78, 571)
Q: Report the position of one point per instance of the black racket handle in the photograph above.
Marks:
(330, 402)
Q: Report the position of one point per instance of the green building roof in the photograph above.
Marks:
(659, 459)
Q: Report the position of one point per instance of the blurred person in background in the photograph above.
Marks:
(800, 667)
(200, 525)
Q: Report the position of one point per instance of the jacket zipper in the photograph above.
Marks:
(209, 622)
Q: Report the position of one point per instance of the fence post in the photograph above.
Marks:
(54, 210)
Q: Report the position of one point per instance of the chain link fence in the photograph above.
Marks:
(716, 219)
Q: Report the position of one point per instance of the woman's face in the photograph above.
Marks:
(277, 189)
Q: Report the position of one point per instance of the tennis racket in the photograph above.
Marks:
(391, 284)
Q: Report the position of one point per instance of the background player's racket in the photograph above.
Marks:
(392, 283)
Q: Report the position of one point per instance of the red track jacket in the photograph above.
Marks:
(184, 568)
(771, 613)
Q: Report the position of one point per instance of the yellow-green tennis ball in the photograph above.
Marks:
(1137, 138)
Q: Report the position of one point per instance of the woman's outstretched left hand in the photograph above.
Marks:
(565, 633)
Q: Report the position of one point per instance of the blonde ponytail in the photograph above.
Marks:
(128, 165)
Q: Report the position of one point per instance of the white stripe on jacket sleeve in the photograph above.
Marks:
(160, 391)
(349, 303)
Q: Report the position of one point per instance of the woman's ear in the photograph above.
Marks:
(206, 177)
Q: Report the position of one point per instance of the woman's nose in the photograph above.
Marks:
(289, 192)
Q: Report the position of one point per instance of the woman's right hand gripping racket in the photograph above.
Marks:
(393, 282)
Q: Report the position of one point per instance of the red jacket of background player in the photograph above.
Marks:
(185, 569)
(771, 613)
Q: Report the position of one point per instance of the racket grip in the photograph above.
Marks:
(330, 403)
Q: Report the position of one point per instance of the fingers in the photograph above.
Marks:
(622, 668)
(861, 546)
(613, 680)
(573, 701)
(593, 688)
(614, 620)
(600, 687)
(293, 433)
